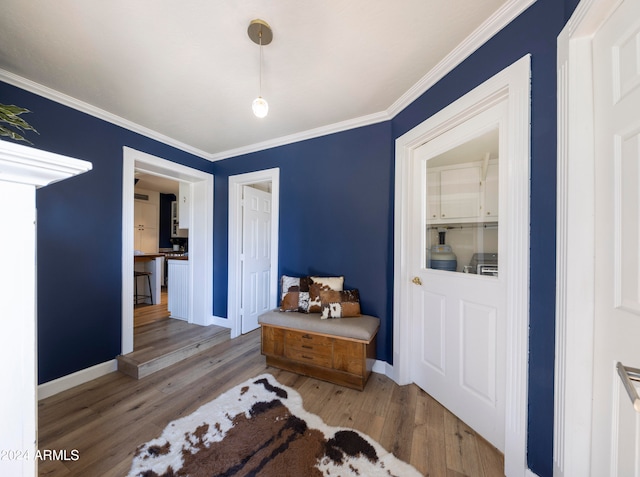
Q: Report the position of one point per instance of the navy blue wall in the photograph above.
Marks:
(335, 207)
(80, 234)
(164, 238)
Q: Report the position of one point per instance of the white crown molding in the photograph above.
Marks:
(304, 135)
(507, 13)
(94, 111)
(501, 18)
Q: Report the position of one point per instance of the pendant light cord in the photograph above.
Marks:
(260, 80)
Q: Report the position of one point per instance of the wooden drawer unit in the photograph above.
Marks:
(344, 361)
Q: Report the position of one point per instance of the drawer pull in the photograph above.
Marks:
(307, 337)
(307, 357)
(307, 347)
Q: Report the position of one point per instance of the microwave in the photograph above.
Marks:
(487, 269)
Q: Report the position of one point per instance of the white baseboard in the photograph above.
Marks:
(529, 473)
(382, 367)
(219, 321)
(69, 381)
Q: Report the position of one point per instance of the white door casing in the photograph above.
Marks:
(596, 218)
(236, 184)
(256, 256)
(200, 237)
(459, 319)
(513, 86)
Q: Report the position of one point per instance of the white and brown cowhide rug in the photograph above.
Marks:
(259, 428)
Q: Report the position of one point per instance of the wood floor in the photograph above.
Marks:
(107, 418)
(144, 314)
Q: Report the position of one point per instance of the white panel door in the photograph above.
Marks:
(616, 425)
(458, 348)
(256, 256)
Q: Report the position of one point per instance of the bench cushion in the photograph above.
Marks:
(363, 327)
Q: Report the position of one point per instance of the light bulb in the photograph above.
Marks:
(260, 107)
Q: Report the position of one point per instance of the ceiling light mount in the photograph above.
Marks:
(260, 33)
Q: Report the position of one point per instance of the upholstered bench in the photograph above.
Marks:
(340, 350)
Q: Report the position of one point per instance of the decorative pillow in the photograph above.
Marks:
(295, 294)
(340, 304)
(316, 285)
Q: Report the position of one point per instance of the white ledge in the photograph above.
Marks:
(27, 165)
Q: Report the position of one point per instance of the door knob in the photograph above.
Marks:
(417, 280)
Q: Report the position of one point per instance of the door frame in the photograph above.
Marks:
(236, 182)
(513, 86)
(575, 240)
(200, 237)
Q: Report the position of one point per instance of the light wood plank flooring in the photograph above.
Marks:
(144, 314)
(107, 418)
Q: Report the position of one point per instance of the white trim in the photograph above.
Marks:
(200, 236)
(382, 367)
(94, 111)
(575, 242)
(72, 380)
(506, 14)
(22, 169)
(512, 85)
(27, 165)
(303, 136)
(234, 284)
(218, 321)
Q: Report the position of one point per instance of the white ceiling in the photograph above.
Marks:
(186, 71)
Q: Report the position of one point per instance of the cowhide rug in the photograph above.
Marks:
(260, 428)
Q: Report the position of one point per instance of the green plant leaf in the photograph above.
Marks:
(13, 135)
(9, 114)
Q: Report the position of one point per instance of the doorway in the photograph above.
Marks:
(240, 287)
(200, 268)
(510, 87)
(156, 232)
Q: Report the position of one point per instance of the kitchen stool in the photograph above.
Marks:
(136, 296)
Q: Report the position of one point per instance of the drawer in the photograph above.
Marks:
(309, 343)
(308, 357)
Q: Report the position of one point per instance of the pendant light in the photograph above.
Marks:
(260, 32)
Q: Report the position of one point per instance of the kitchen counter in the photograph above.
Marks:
(144, 257)
(153, 263)
(178, 288)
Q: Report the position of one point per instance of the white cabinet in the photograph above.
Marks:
(433, 196)
(178, 289)
(184, 205)
(145, 214)
(490, 196)
(176, 231)
(145, 226)
(458, 194)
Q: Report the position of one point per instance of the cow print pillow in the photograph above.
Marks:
(340, 304)
(316, 285)
(295, 294)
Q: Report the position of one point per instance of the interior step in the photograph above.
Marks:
(161, 344)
